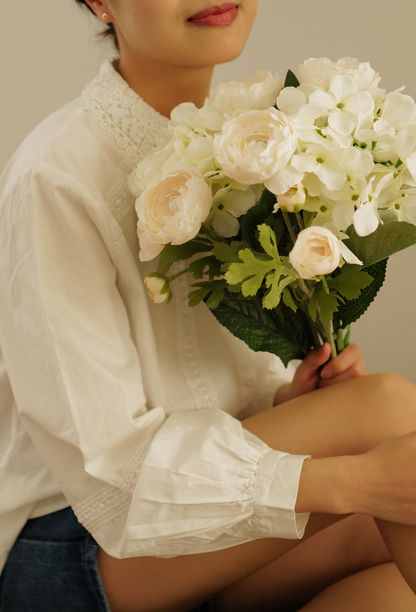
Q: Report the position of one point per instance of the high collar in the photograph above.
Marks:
(123, 114)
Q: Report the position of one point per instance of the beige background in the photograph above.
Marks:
(49, 50)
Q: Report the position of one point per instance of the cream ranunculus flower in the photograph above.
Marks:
(259, 92)
(154, 288)
(256, 147)
(317, 251)
(171, 210)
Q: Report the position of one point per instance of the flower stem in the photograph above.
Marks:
(330, 338)
(178, 274)
(300, 221)
(289, 226)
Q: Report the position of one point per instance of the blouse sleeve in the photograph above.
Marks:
(140, 482)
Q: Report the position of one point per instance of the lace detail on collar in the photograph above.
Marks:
(130, 121)
(136, 127)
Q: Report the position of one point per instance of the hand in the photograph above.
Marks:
(384, 481)
(308, 377)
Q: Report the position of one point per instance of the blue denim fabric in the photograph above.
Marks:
(52, 567)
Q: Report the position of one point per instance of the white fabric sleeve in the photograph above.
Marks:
(143, 484)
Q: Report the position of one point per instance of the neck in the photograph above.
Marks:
(163, 86)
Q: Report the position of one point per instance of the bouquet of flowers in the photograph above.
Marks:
(283, 202)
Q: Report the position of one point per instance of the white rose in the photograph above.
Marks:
(317, 251)
(154, 288)
(171, 210)
(318, 72)
(256, 147)
(256, 93)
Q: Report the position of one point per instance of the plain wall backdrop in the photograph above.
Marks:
(49, 50)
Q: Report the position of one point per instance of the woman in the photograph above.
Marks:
(154, 424)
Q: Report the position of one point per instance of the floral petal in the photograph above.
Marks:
(343, 86)
(366, 219)
(349, 256)
(321, 98)
(411, 165)
(398, 110)
(290, 100)
(225, 225)
(342, 215)
(284, 180)
(331, 176)
(361, 103)
(343, 121)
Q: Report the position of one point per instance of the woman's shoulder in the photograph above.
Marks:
(90, 137)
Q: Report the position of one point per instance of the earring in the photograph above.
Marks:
(104, 16)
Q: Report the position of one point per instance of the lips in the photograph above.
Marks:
(215, 15)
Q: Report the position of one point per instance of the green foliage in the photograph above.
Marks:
(288, 300)
(172, 253)
(228, 253)
(353, 309)
(384, 242)
(291, 80)
(250, 272)
(253, 268)
(255, 216)
(279, 331)
(212, 293)
(198, 267)
(322, 305)
(350, 281)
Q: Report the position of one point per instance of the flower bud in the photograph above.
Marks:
(155, 287)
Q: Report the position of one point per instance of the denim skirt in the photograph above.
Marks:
(52, 567)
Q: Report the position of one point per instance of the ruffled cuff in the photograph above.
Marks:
(275, 496)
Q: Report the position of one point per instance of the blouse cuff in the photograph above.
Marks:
(275, 496)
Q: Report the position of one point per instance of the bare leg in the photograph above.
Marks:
(350, 546)
(379, 589)
(349, 418)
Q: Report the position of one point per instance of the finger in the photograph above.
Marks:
(355, 371)
(314, 359)
(345, 360)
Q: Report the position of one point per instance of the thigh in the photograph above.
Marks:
(378, 589)
(348, 418)
(350, 546)
(53, 567)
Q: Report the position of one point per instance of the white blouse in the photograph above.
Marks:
(126, 410)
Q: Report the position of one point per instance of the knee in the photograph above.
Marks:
(395, 401)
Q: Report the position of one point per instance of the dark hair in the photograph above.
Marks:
(110, 30)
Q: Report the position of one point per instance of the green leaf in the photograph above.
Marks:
(322, 305)
(267, 240)
(272, 297)
(279, 331)
(197, 268)
(255, 216)
(250, 272)
(172, 253)
(228, 252)
(353, 309)
(350, 281)
(308, 217)
(196, 297)
(388, 239)
(291, 80)
(211, 292)
(215, 298)
(288, 300)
